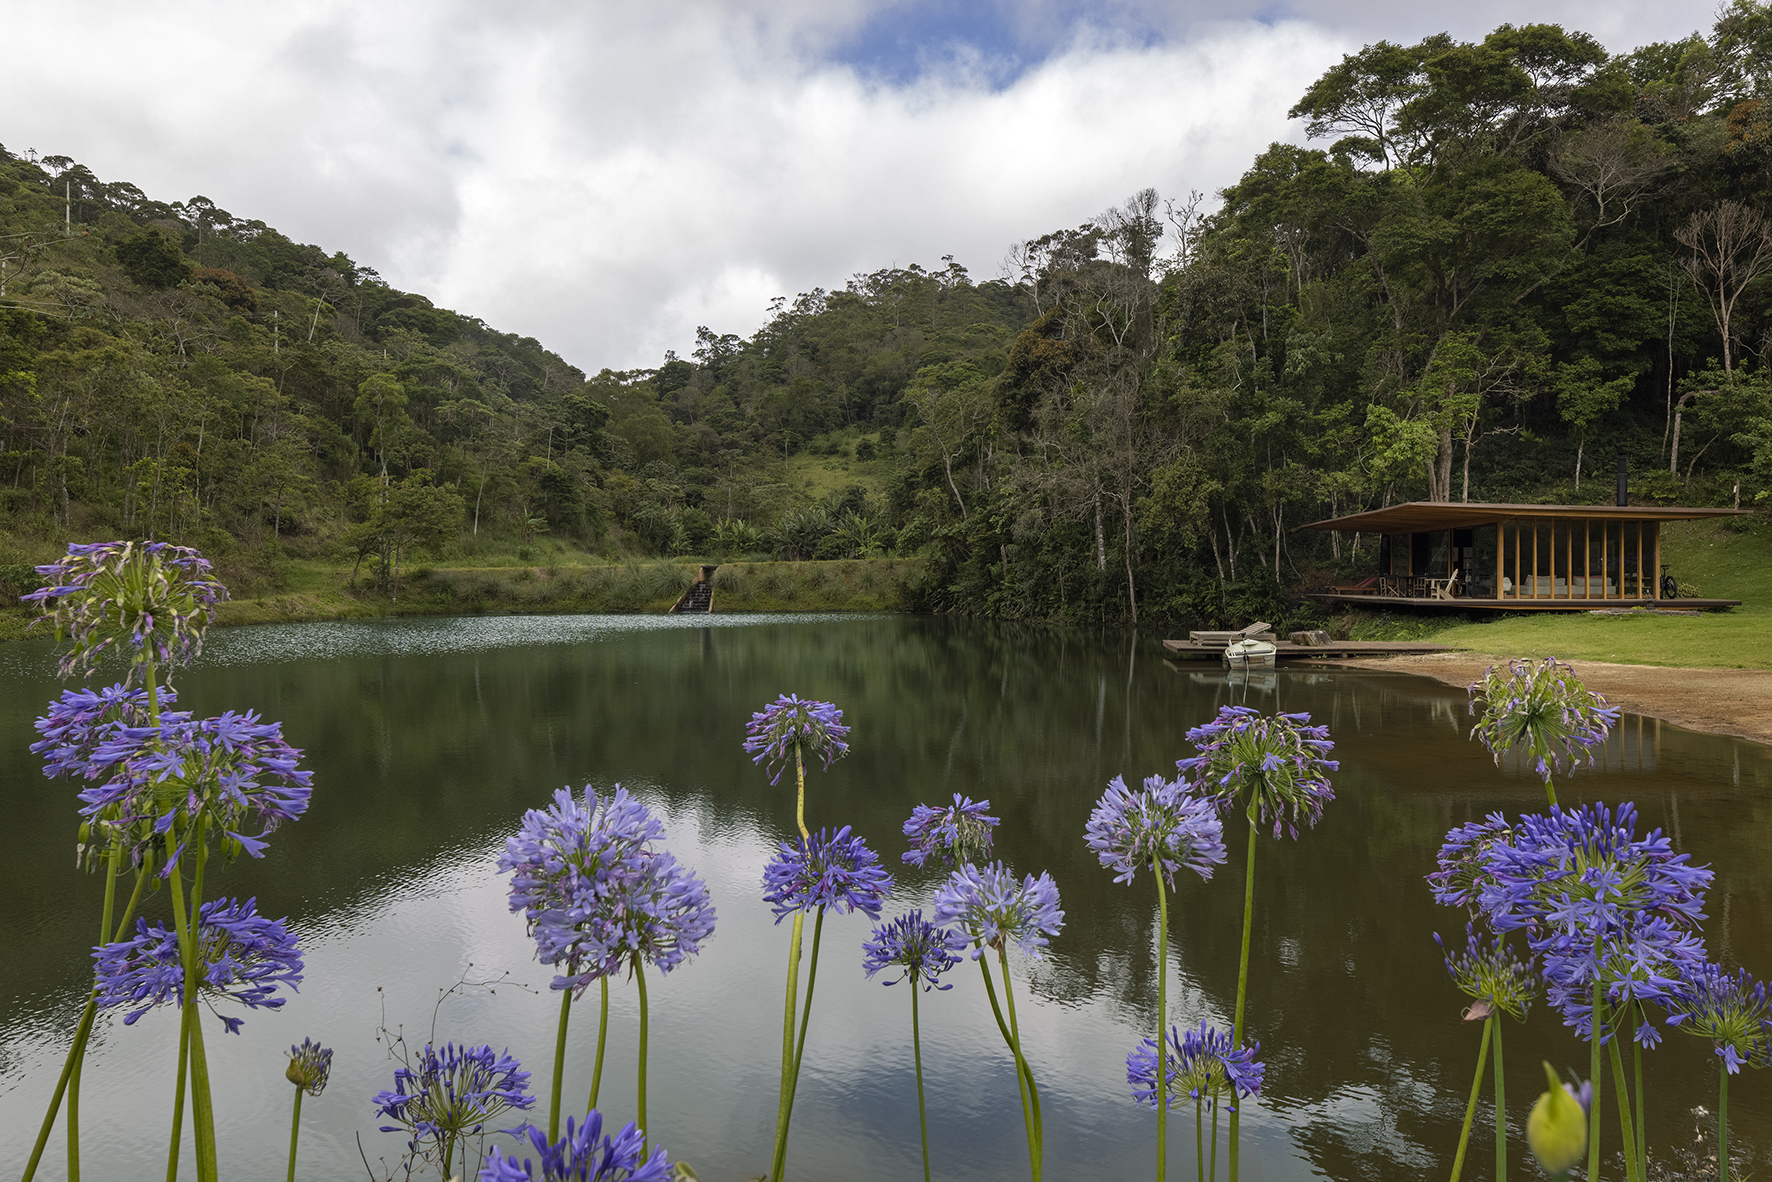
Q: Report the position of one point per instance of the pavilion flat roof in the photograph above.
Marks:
(1422, 516)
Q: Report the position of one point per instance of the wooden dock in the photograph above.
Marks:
(1286, 650)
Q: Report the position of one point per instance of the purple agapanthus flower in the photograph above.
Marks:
(1580, 871)
(1199, 1064)
(1645, 958)
(1160, 822)
(791, 724)
(595, 892)
(152, 599)
(243, 957)
(837, 870)
(1492, 974)
(1273, 766)
(584, 1154)
(992, 907)
(234, 770)
(1462, 876)
(452, 1092)
(1542, 709)
(310, 1066)
(1730, 1009)
(958, 833)
(911, 943)
(1599, 905)
(79, 721)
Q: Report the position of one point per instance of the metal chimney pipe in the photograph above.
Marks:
(1623, 479)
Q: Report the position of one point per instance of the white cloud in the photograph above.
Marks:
(605, 177)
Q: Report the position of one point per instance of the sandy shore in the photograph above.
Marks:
(1719, 701)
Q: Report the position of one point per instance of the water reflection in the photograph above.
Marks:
(429, 738)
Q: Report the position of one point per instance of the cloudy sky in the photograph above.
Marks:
(606, 176)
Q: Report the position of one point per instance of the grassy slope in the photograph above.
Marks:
(1711, 556)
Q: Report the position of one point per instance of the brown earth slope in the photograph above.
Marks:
(1719, 701)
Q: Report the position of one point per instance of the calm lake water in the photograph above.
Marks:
(429, 738)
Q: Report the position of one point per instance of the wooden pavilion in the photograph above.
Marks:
(1489, 557)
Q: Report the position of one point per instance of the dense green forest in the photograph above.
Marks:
(1506, 264)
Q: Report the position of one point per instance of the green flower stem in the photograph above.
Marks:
(202, 1109)
(1212, 1162)
(1470, 1108)
(1242, 978)
(1024, 1080)
(1626, 1129)
(1722, 1120)
(1550, 792)
(81, 1033)
(1593, 1075)
(1036, 1131)
(1500, 1110)
(787, 1020)
(559, 1070)
(1162, 1020)
(1642, 1119)
(800, 798)
(1199, 1141)
(178, 1100)
(778, 1167)
(294, 1132)
(113, 858)
(602, 1037)
(640, 981)
(83, 1030)
(917, 1054)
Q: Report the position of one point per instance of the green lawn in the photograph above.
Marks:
(1715, 557)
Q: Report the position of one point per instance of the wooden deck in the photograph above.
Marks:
(1524, 603)
(1285, 650)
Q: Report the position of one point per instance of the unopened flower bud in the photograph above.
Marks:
(1557, 1128)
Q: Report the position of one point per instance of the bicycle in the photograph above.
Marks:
(1670, 587)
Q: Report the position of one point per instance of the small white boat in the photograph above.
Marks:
(1251, 654)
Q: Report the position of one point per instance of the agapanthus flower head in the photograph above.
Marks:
(1274, 766)
(1462, 875)
(149, 600)
(1599, 905)
(452, 1091)
(81, 720)
(1161, 823)
(991, 907)
(911, 943)
(1199, 1064)
(1730, 1009)
(835, 870)
(1542, 709)
(584, 1154)
(243, 957)
(957, 833)
(1645, 957)
(597, 894)
(1582, 871)
(1492, 973)
(791, 724)
(310, 1066)
(235, 771)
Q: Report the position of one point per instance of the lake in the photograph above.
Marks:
(428, 738)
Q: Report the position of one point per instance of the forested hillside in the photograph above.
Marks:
(1499, 266)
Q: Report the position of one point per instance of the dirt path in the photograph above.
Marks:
(1719, 701)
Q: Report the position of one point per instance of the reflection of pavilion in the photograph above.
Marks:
(1515, 557)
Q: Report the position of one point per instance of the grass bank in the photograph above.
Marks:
(1722, 559)
(321, 591)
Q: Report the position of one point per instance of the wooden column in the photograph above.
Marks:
(1655, 575)
(1587, 560)
(1639, 560)
(1568, 558)
(1535, 558)
(1500, 551)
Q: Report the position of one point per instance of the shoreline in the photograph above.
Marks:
(1732, 702)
